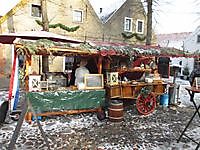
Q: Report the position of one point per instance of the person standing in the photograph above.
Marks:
(194, 73)
(80, 73)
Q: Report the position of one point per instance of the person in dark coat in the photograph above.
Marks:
(194, 73)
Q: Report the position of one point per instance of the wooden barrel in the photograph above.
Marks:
(115, 111)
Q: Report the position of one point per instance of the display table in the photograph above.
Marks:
(131, 91)
(57, 101)
(191, 91)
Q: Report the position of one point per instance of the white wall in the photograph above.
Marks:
(178, 40)
(190, 43)
(189, 62)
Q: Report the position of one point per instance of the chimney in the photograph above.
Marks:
(100, 10)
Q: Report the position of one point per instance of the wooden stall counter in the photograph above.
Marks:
(66, 101)
(129, 90)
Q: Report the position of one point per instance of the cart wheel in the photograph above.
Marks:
(15, 115)
(146, 104)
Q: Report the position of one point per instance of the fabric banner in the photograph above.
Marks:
(13, 96)
(66, 100)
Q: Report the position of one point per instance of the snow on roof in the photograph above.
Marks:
(107, 9)
(8, 38)
(173, 36)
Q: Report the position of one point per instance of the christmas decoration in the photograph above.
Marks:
(66, 28)
(128, 35)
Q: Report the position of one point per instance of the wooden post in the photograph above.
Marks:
(108, 64)
(25, 105)
(28, 64)
(100, 65)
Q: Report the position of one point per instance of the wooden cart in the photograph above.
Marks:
(144, 93)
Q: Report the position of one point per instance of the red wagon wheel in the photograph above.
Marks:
(146, 104)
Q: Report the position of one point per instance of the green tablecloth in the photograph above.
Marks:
(66, 100)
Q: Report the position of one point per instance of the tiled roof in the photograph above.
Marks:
(173, 36)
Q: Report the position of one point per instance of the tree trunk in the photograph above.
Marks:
(149, 22)
(45, 59)
(10, 23)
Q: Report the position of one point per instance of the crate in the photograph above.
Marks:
(113, 91)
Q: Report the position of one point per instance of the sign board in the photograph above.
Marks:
(93, 81)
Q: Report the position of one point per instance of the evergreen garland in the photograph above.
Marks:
(145, 91)
(66, 28)
(32, 47)
(128, 35)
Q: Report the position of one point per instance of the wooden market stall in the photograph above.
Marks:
(115, 72)
(54, 94)
(132, 74)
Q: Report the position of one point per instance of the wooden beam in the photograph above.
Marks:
(99, 65)
(13, 10)
(28, 64)
(69, 112)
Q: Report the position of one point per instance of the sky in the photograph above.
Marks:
(178, 16)
(171, 16)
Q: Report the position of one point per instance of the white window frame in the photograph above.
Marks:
(31, 5)
(137, 22)
(73, 17)
(125, 24)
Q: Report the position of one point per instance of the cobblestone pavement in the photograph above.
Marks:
(160, 130)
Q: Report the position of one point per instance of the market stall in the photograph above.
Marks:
(113, 72)
(131, 72)
(108, 74)
(54, 93)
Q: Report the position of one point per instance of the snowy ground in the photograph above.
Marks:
(158, 131)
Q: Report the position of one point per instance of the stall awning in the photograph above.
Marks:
(8, 38)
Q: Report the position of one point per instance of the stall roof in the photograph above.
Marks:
(8, 38)
(49, 47)
(101, 47)
(141, 50)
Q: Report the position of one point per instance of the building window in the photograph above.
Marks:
(78, 16)
(140, 26)
(198, 38)
(128, 24)
(35, 10)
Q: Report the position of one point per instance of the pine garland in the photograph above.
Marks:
(31, 47)
(66, 28)
(145, 91)
(128, 35)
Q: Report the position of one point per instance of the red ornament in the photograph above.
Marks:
(104, 53)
